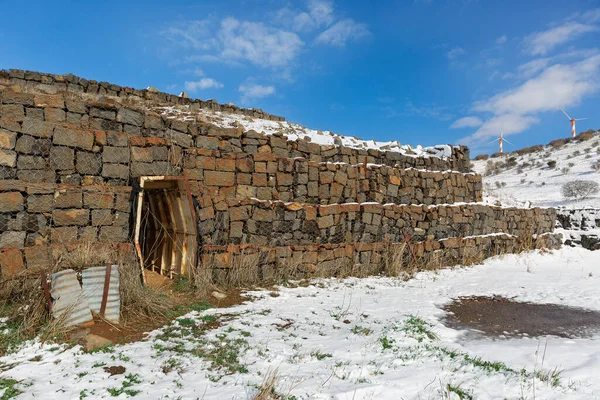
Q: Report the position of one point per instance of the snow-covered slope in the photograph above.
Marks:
(522, 180)
(294, 131)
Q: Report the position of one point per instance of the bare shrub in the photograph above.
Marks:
(580, 189)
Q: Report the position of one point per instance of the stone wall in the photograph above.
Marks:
(278, 223)
(266, 176)
(583, 219)
(89, 123)
(258, 263)
(72, 150)
(52, 83)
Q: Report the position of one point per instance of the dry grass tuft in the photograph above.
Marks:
(266, 391)
(23, 301)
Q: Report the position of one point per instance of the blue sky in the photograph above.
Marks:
(418, 71)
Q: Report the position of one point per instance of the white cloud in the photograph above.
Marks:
(343, 31)
(558, 85)
(204, 83)
(238, 42)
(455, 52)
(254, 91)
(319, 13)
(532, 67)
(507, 123)
(502, 39)
(466, 122)
(257, 43)
(540, 43)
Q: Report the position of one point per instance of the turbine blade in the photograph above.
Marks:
(495, 140)
(508, 142)
(565, 113)
(580, 119)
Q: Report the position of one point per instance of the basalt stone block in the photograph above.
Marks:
(131, 117)
(30, 145)
(115, 155)
(71, 217)
(14, 112)
(117, 171)
(88, 163)
(38, 128)
(11, 202)
(113, 234)
(13, 239)
(98, 200)
(62, 158)
(73, 138)
(8, 140)
(63, 234)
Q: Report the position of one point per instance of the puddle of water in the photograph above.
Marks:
(502, 317)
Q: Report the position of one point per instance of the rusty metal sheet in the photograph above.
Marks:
(93, 288)
(69, 302)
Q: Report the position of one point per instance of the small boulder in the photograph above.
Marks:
(92, 342)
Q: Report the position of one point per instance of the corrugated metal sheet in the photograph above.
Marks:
(93, 288)
(69, 299)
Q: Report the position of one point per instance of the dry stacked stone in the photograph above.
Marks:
(72, 151)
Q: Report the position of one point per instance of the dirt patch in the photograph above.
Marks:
(135, 329)
(115, 370)
(499, 316)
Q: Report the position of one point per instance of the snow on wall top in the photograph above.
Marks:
(295, 131)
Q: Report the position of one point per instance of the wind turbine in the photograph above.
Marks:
(500, 140)
(573, 132)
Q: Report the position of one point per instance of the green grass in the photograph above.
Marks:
(10, 338)
(223, 354)
(386, 343)
(107, 348)
(130, 380)
(319, 355)
(359, 330)
(461, 393)
(183, 284)
(551, 377)
(10, 391)
(419, 329)
(180, 309)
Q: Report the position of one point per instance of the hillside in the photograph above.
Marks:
(523, 176)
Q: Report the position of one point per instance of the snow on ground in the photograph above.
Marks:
(539, 184)
(294, 131)
(374, 338)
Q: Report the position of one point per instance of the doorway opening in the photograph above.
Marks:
(165, 232)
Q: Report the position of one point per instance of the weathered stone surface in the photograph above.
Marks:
(117, 171)
(38, 128)
(46, 100)
(218, 178)
(62, 158)
(11, 202)
(71, 217)
(63, 234)
(12, 239)
(11, 262)
(88, 163)
(7, 139)
(73, 138)
(68, 198)
(98, 200)
(131, 117)
(8, 158)
(30, 145)
(113, 233)
(116, 155)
